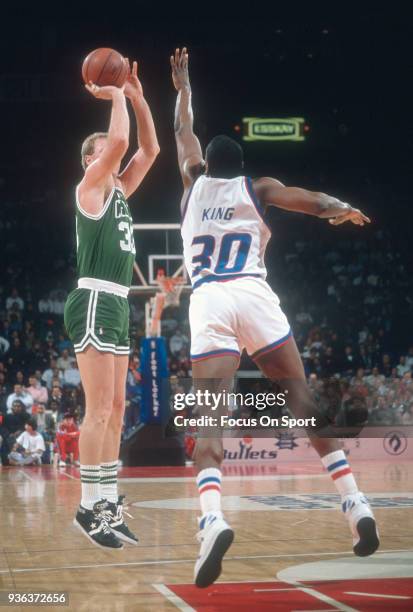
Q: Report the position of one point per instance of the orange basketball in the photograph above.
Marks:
(105, 67)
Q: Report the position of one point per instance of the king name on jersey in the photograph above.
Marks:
(217, 214)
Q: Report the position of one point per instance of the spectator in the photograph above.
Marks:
(409, 358)
(67, 439)
(402, 367)
(37, 357)
(51, 373)
(17, 355)
(386, 366)
(19, 378)
(19, 393)
(4, 345)
(37, 391)
(65, 361)
(177, 342)
(56, 397)
(45, 422)
(14, 301)
(349, 364)
(4, 393)
(29, 446)
(71, 376)
(63, 343)
(375, 378)
(17, 419)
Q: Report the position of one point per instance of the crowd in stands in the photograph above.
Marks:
(348, 300)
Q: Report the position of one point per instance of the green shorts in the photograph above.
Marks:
(98, 319)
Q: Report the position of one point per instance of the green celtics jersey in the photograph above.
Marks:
(105, 244)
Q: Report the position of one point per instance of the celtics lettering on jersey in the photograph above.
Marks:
(105, 243)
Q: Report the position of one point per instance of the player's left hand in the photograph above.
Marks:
(179, 66)
(133, 86)
(354, 215)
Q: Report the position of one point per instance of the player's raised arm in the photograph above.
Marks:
(148, 145)
(273, 193)
(190, 158)
(98, 171)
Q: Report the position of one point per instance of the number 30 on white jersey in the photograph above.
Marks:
(223, 231)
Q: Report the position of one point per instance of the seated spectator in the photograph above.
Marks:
(19, 378)
(63, 343)
(386, 365)
(37, 391)
(14, 300)
(134, 376)
(409, 358)
(177, 342)
(402, 367)
(4, 346)
(45, 421)
(52, 372)
(4, 393)
(17, 355)
(19, 393)
(16, 421)
(29, 446)
(56, 396)
(67, 439)
(71, 376)
(375, 378)
(65, 361)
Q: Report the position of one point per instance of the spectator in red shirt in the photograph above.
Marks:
(67, 439)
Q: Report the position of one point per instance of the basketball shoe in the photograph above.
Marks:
(215, 536)
(114, 516)
(93, 524)
(362, 524)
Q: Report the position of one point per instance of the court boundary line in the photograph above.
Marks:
(173, 598)
(322, 597)
(192, 560)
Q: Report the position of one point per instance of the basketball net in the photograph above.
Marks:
(169, 294)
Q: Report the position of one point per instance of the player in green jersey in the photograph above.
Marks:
(97, 312)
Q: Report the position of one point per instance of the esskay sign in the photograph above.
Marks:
(291, 128)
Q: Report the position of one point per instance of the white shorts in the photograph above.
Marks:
(226, 317)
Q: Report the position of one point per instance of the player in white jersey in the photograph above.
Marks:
(232, 307)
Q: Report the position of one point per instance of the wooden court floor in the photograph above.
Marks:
(292, 548)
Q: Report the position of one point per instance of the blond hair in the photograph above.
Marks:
(88, 146)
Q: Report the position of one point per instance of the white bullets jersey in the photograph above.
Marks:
(223, 231)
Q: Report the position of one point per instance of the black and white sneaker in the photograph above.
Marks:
(114, 516)
(362, 524)
(93, 524)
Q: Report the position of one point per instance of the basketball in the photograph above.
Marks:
(105, 67)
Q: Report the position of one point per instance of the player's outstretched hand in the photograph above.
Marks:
(103, 93)
(354, 215)
(133, 87)
(179, 65)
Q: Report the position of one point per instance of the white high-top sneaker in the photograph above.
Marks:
(216, 537)
(362, 524)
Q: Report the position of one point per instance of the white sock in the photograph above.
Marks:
(209, 487)
(340, 471)
(109, 481)
(90, 481)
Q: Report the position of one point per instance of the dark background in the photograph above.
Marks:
(348, 74)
